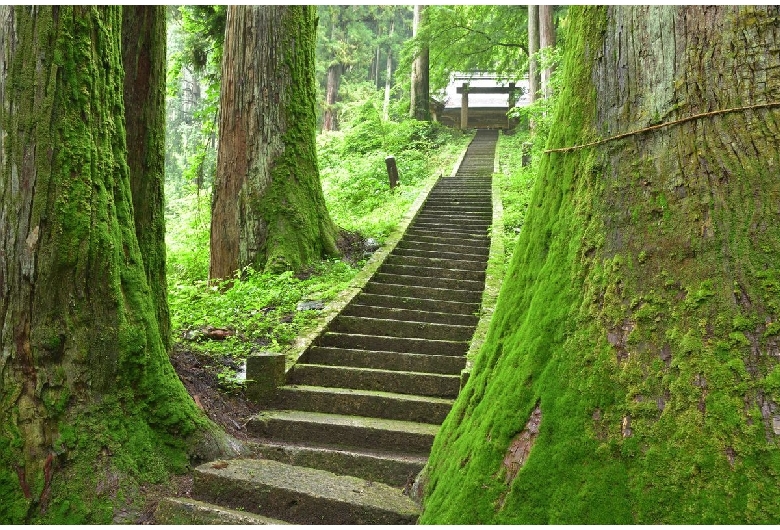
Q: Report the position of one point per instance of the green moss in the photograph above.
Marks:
(630, 336)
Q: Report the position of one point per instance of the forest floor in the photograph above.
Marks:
(228, 408)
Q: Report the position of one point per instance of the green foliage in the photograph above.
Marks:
(516, 183)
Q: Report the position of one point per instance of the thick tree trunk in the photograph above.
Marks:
(638, 326)
(533, 48)
(89, 402)
(546, 40)
(420, 106)
(268, 210)
(143, 57)
(330, 120)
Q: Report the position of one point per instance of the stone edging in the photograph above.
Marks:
(333, 308)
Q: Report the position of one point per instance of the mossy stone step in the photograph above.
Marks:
(417, 304)
(417, 253)
(408, 315)
(368, 403)
(346, 432)
(301, 495)
(435, 226)
(401, 382)
(378, 286)
(473, 241)
(393, 344)
(436, 262)
(473, 251)
(394, 469)
(433, 272)
(185, 511)
(385, 360)
(400, 328)
(426, 281)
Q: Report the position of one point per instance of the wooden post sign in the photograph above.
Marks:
(392, 171)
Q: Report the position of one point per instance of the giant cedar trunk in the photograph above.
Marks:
(330, 120)
(631, 373)
(89, 402)
(268, 210)
(420, 104)
(143, 57)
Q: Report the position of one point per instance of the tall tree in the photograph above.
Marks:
(89, 402)
(420, 105)
(546, 41)
(143, 57)
(388, 74)
(268, 210)
(533, 48)
(631, 373)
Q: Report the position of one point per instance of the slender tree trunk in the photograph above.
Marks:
(87, 393)
(420, 106)
(388, 78)
(330, 121)
(268, 210)
(143, 57)
(632, 370)
(533, 48)
(546, 40)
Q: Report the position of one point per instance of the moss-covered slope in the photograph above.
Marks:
(630, 374)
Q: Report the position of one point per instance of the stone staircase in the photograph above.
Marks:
(344, 438)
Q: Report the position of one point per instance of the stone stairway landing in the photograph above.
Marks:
(344, 437)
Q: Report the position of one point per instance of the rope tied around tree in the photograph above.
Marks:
(662, 125)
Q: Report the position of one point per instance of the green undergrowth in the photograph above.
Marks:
(516, 182)
(260, 310)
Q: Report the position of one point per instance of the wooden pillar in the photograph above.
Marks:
(392, 171)
(464, 107)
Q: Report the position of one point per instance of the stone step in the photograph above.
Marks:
(433, 272)
(394, 469)
(417, 304)
(478, 242)
(412, 383)
(432, 261)
(393, 344)
(413, 291)
(424, 281)
(385, 360)
(438, 227)
(346, 432)
(399, 328)
(368, 403)
(459, 221)
(417, 253)
(301, 495)
(408, 315)
(185, 511)
(466, 250)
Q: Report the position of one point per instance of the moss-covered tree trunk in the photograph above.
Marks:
(420, 105)
(631, 371)
(143, 56)
(268, 210)
(89, 403)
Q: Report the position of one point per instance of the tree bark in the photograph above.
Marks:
(420, 105)
(87, 393)
(388, 77)
(640, 312)
(143, 58)
(330, 120)
(546, 40)
(268, 210)
(533, 48)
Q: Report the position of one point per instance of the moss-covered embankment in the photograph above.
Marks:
(631, 374)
